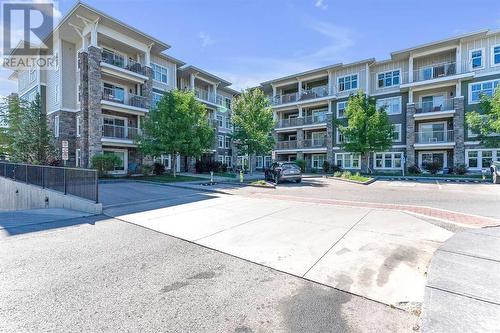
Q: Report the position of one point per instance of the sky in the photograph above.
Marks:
(251, 41)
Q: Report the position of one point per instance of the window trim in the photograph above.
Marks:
(227, 142)
(385, 72)
(220, 139)
(400, 137)
(78, 157)
(351, 158)
(161, 67)
(228, 158)
(78, 124)
(469, 101)
(495, 155)
(337, 106)
(317, 157)
(343, 77)
(400, 98)
(483, 59)
(56, 126)
(492, 56)
(393, 159)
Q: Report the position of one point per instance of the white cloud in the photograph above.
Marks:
(321, 4)
(206, 39)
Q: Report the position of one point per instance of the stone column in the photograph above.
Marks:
(459, 132)
(94, 101)
(300, 138)
(410, 135)
(147, 87)
(329, 138)
(82, 142)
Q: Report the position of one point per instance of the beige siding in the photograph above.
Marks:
(358, 69)
(483, 43)
(172, 71)
(387, 66)
(53, 80)
(68, 68)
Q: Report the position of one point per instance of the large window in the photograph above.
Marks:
(221, 141)
(348, 82)
(341, 109)
(482, 88)
(160, 73)
(388, 79)
(220, 120)
(156, 97)
(318, 160)
(477, 159)
(495, 55)
(387, 160)
(340, 136)
(477, 58)
(396, 135)
(267, 161)
(260, 162)
(229, 161)
(392, 104)
(227, 142)
(122, 157)
(228, 122)
(348, 160)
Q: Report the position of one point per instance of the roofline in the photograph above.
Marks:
(484, 31)
(172, 59)
(188, 67)
(339, 65)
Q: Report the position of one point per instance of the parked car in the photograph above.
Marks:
(495, 171)
(280, 171)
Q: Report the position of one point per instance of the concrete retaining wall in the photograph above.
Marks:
(16, 196)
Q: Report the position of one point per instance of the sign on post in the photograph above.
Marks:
(65, 154)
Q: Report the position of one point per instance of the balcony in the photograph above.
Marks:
(305, 95)
(315, 143)
(115, 99)
(118, 66)
(434, 109)
(285, 145)
(290, 122)
(434, 139)
(119, 132)
(315, 119)
(437, 73)
(316, 92)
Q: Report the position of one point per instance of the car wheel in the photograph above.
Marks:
(298, 180)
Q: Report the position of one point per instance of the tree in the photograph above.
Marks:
(368, 128)
(486, 121)
(253, 123)
(177, 124)
(11, 111)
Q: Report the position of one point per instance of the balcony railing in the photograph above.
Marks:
(290, 122)
(205, 95)
(118, 96)
(119, 61)
(315, 119)
(432, 106)
(119, 132)
(286, 145)
(307, 94)
(315, 143)
(430, 137)
(435, 71)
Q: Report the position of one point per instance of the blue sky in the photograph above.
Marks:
(251, 41)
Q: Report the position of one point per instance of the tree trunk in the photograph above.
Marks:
(174, 164)
(250, 163)
(365, 163)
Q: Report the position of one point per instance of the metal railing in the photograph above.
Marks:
(205, 95)
(434, 71)
(290, 122)
(78, 182)
(315, 119)
(120, 61)
(286, 144)
(315, 143)
(285, 98)
(429, 137)
(431, 106)
(118, 96)
(119, 132)
(316, 92)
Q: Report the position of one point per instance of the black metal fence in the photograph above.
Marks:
(78, 182)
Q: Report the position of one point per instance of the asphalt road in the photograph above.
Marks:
(478, 199)
(101, 274)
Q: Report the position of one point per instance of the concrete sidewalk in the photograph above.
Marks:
(462, 287)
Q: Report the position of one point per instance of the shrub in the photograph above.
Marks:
(346, 174)
(203, 166)
(158, 169)
(104, 163)
(433, 167)
(414, 170)
(335, 168)
(146, 169)
(301, 164)
(326, 166)
(460, 169)
(314, 170)
(337, 174)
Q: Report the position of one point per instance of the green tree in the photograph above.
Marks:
(11, 111)
(253, 123)
(368, 129)
(486, 121)
(32, 141)
(178, 124)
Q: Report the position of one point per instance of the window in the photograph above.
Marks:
(387, 160)
(392, 104)
(220, 159)
(227, 142)
(221, 141)
(340, 136)
(160, 73)
(113, 93)
(341, 109)
(32, 74)
(78, 125)
(348, 82)
(56, 126)
(228, 122)
(228, 161)
(259, 162)
(78, 158)
(220, 120)
(318, 160)
(482, 88)
(348, 160)
(227, 102)
(495, 55)
(476, 58)
(56, 93)
(122, 157)
(156, 97)
(388, 79)
(78, 93)
(397, 133)
(478, 159)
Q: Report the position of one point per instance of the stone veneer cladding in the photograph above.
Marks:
(410, 135)
(459, 132)
(94, 102)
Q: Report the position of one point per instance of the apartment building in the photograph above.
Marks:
(107, 78)
(426, 89)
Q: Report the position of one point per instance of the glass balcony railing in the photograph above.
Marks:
(117, 95)
(290, 122)
(315, 143)
(315, 119)
(429, 137)
(435, 71)
(306, 94)
(119, 132)
(120, 61)
(286, 144)
(435, 106)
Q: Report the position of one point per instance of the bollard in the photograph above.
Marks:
(211, 177)
(241, 176)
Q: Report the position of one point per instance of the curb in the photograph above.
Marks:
(368, 182)
(443, 179)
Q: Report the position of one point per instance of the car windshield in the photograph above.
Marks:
(290, 166)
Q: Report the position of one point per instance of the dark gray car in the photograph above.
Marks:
(280, 171)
